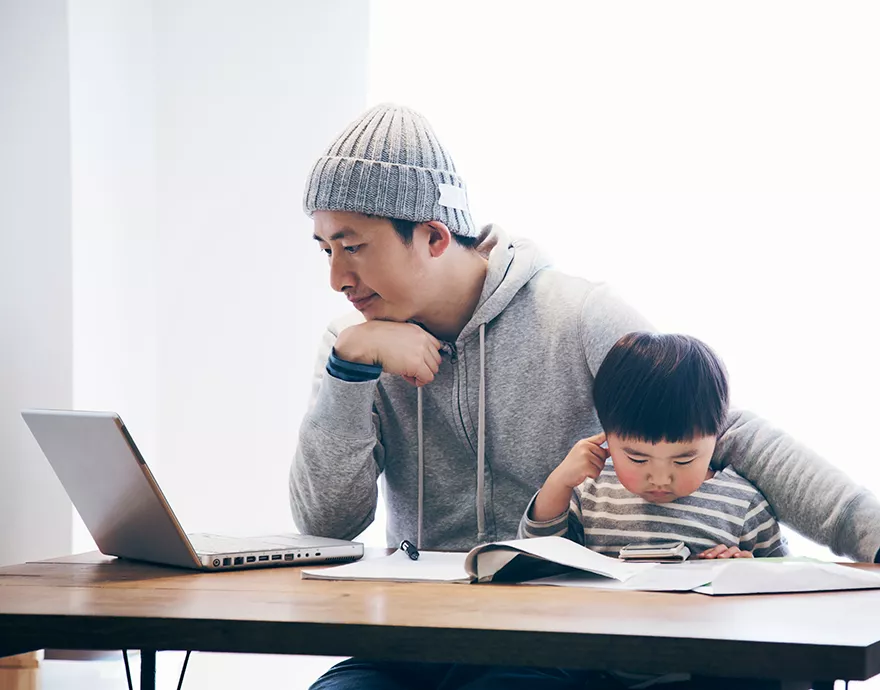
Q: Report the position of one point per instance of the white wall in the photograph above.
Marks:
(247, 96)
(113, 164)
(717, 163)
(35, 271)
(153, 165)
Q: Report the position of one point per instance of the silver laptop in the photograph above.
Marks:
(123, 507)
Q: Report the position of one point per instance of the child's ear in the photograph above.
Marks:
(439, 237)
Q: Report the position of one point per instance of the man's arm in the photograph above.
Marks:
(806, 491)
(333, 491)
(605, 319)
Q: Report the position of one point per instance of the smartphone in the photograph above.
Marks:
(670, 552)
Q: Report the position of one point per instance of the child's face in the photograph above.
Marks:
(661, 472)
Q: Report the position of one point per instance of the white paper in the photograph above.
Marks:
(730, 577)
(751, 576)
(432, 566)
(677, 577)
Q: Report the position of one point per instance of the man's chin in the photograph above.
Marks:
(380, 311)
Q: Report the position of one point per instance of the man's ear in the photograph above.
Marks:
(439, 237)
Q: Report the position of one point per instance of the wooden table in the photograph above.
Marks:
(94, 602)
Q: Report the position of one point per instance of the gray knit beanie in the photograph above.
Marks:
(390, 163)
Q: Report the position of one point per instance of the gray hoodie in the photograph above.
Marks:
(462, 457)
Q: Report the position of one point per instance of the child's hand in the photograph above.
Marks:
(722, 551)
(586, 459)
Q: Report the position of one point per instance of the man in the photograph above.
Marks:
(469, 371)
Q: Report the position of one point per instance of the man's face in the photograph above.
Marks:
(369, 262)
(661, 472)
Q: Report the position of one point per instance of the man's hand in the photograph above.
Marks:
(586, 459)
(403, 349)
(722, 551)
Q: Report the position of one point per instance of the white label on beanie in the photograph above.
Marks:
(452, 197)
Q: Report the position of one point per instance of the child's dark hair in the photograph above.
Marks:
(405, 229)
(661, 387)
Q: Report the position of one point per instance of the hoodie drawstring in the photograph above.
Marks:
(481, 451)
(481, 440)
(421, 471)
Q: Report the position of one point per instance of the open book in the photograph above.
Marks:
(572, 565)
(560, 562)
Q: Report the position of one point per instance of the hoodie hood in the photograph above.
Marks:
(512, 264)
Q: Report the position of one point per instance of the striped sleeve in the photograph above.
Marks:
(761, 534)
(567, 524)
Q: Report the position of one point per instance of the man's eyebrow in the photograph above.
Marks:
(338, 235)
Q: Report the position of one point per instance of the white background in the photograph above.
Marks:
(155, 257)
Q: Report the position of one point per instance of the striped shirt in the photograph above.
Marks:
(605, 517)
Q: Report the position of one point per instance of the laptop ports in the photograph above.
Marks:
(276, 557)
(239, 560)
(251, 559)
(227, 561)
(288, 557)
(263, 558)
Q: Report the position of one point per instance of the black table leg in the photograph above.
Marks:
(148, 669)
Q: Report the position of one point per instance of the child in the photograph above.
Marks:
(662, 401)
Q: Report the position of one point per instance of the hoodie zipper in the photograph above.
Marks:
(460, 396)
